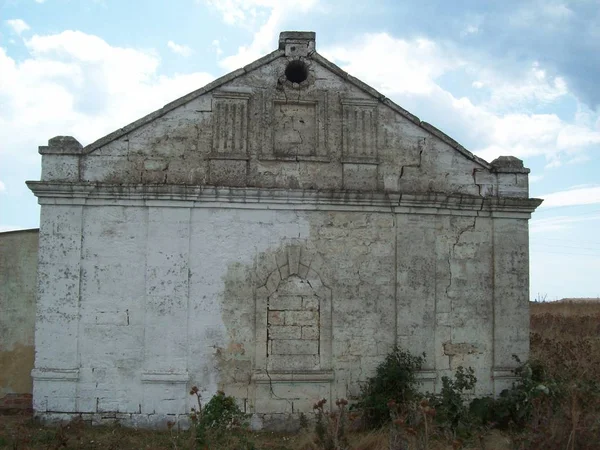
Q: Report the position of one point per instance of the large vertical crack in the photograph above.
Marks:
(470, 227)
(474, 174)
(272, 392)
(417, 165)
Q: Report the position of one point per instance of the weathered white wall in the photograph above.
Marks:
(256, 226)
(168, 299)
(18, 271)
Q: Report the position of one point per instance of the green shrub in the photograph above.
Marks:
(450, 404)
(219, 423)
(221, 412)
(483, 411)
(514, 406)
(394, 380)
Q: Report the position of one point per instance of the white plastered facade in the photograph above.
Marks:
(272, 239)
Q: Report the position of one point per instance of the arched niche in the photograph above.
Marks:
(293, 323)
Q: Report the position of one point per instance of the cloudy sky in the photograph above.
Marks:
(511, 77)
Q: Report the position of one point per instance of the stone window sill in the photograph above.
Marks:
(324, 159)
(229, 156)
(298, 377)
(360, 160)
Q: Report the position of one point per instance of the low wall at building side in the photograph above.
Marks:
(18, 283)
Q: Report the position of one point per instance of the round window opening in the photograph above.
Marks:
(296, 72)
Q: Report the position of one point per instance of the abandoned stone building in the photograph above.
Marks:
(273, 234)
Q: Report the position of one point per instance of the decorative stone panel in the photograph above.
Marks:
(359, 130)
(230, 125)
(297, 128)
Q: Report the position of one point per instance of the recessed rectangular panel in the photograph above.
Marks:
(295, 129)
(230, 125)
(359, 131)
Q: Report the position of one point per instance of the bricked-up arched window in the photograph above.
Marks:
(293, 321)
(293, 327)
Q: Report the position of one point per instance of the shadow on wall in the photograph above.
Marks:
(18, 281)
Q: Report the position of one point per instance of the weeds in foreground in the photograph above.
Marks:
(331, 427)
(395, 379)
(219, 424)
(451, 403)
(411, 428)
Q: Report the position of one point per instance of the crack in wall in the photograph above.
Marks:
(417, 165)
(272, 392)
(479, 185)
(470, 227)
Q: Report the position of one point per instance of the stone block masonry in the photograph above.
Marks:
(273, 235)
(14, 403)
(293, 324)
(18, 290)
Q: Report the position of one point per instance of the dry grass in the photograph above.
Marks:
(565, 308)
(22, 433)
(565, 337)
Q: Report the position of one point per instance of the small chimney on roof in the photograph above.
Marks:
(297, 43)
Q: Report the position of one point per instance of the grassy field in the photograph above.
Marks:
(565, 337)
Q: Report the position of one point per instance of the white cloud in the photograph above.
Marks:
(532, 86)
(17, 25)
(586, 195)
(40, 1)
(396, 66)
(543, 13)
(471, 24)
(535, 178)
(264, 40)
(247, 13)
(182, 50)
(558, 223)
(232, 11)
(470, 29)
(2, 187)
(217, 46)
(409, 72)
(523, 135)
(77, 84)
(577, 136)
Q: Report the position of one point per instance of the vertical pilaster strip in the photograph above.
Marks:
(416, 275)
(511, 297)
(57, 314)
(165, 339)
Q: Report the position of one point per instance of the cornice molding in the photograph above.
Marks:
(97, 194)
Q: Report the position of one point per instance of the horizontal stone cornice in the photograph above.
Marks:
(94, 194)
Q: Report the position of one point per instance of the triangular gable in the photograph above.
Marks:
(315, 56)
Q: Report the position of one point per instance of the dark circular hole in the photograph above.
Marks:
(296, 72)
